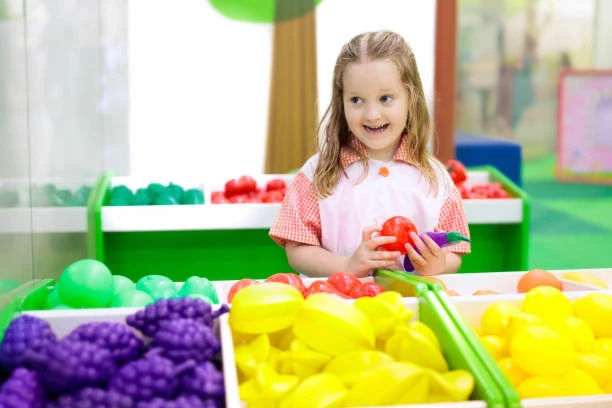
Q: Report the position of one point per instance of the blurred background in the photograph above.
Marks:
(160, 88)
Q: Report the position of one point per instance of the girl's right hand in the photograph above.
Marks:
(368, 256)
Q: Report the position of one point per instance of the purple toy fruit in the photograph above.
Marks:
(93, 398)
(22, 389)
(70, 365)
(119, 339)
(186, 339)
(24, 339)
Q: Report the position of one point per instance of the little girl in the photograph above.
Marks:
(373, 164)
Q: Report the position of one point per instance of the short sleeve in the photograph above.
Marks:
(298, 219)
(452, 218)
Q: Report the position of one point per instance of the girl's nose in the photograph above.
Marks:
(371, 112)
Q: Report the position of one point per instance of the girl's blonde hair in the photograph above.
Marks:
(374, 46)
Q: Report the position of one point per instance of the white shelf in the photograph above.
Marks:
(189, 217)
(262, 216)
(43, 220)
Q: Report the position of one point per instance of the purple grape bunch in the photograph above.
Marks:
(148, 320)
(22, 389)
(25, 339)
(149, 377)
(70, 365)
(93, 398)
(183, 401)
(205, 381)
(119, 339)
(186, 339)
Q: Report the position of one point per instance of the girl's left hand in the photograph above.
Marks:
(432, 258)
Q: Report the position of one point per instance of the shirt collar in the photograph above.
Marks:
(349, 156)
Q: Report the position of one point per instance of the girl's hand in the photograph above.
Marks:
(368, 257)
(432, 258)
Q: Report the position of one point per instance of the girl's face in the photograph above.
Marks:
(375, 106)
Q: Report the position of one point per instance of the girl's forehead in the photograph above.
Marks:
(381, 73)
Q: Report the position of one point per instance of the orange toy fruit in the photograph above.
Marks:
(537, 277)
(486, 292)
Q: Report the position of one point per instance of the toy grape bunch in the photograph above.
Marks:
(401, 227)
(86, 283)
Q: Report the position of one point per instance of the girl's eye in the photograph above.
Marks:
(355, 99)
(386, 99)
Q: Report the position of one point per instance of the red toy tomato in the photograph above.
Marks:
(276, 184)
(242, 283)
(457, 171)
(273, 196)
(242, 185)
(399, 227)
(344, 282)
(290, 279)
(322, 286)
(366, 289)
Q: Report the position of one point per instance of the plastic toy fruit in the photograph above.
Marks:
(199, 285)
(289, 279)
(537, 277)
(548, 303)
(265, 308)
(596, 311)
(328, 324)
(86, 283)
(157, 286)
(400, 228)
(539, 350)
(586, 278)
(242, 283)
(121, 283)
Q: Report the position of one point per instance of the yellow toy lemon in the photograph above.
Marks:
(539, 350)
(496, 317)
(512, 371)
(265, 308)
(548, 303)
(598, 367)
(586, 278)
(580, 334)
(596, 311)
(328, 324)
(497, 346)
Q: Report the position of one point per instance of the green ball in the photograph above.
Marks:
(157, 286)
(53, 299)
(61, 306)
(86, 283)
(121, 283)
(131, 298)
(199, 285)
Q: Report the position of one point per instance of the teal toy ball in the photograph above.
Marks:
(53, 299)
(199, 285)
(193, 196)
(131, 298)
(201, 296)
(121, 283)
(86, 283)
(157, 286)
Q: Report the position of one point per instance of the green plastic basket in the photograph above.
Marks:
(456, 346)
